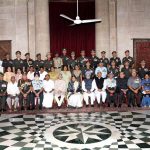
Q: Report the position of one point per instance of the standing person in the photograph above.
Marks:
(12, 94)
(48, 62)
(42, 73)
(18, 63)
(53, 74)
(7, 62)
(82, 59)
(146, 91)
(104, 59)
(128, 58)
(77, 73)
(94, 59)
(88, 70)
(101, 69)
(110, 87)
(57, 62)
(3, 92)
(115, 58)
(66, 75)
(126, 69)
(88, 88)
(122, 88)
(38, 62)
(64, 57)
(30, 74)
(8, 74)
(142, 70)
(72, 61)
(100, 92)
(114, 69)
(28, 62)
(25, 86)
(37, 90)
(48, 92)
(134, 85)
(74, 97)
(60, 90)
(18, 75)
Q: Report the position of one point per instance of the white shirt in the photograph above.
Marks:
(30, 75)
(48, 85)
(1, 68)
(12, 89)
(103, 70)
(109, 83)
(42, 75)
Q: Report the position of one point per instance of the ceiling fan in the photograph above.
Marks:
(78, 20)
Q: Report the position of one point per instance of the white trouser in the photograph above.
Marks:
(12, 101)
(100, 95)
(59, 102)
(86, 97)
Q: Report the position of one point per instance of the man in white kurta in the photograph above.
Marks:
(48, 94)
(60, 90)
(88, 88)
(13, 93)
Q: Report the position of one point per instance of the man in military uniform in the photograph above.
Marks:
(38, 62)
(18, 63)
(82, 60)
(115, 58)
(7, 62)
(48, 62)
(128, 58)
(103, 59)
(64, 56)
(3, 90)
(28, 62)
(142, 70)
(72, 61)
(94, 59)
(57, 62)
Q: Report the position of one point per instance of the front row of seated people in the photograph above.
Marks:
(27, 94)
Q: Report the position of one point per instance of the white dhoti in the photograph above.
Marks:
(75, 100)
(12, 102)
(99, 95)
(59, 101)
(48, 100)
(86, 97)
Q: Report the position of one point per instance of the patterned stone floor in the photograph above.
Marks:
(110, 130)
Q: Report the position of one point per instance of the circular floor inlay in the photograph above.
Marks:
(82, 133)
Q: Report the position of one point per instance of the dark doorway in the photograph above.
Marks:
(5, 47)
(141, 49)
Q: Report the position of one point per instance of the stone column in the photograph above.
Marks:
(113, 25)
(102, 29)
(42, 36)
(31, 28)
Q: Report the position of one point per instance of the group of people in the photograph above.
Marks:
(27, 83)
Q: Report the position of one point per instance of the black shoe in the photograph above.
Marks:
(129, 105)
(92, 105)
(22, 108)
(138, 105)
(99, 105)
(115, 105)
(108, 105)
(119, 106)
(87, 105)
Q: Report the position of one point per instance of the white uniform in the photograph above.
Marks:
(42, 75)
(88, 94)
(12, 91)
(103, 70)
(48, 97)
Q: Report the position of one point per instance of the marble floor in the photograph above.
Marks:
(111, 130)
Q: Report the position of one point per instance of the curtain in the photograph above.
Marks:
(73, 38)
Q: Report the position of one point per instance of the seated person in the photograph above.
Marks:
(74, 97)
(42, 73)
(18, 75)
(88, 90)
(3, 89)
(60, 90)
(8, 74)
(12, 94)
(146, 91)
(37, 90)
(53, 74)
(110, 87)
(122, 88)
(25, 85)
(30, 74)
(100, 93)
(134, 85)
(48, 94)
